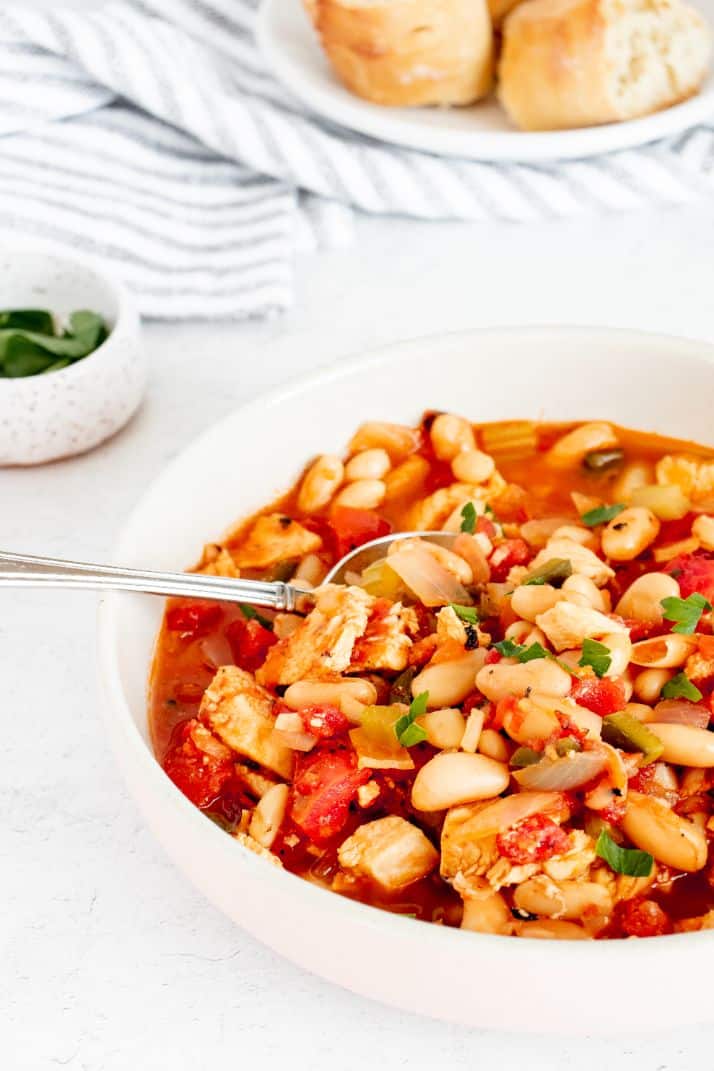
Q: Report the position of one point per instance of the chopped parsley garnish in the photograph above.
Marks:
(596, 655)
(468, 518)
(685, 612)
(680, 687)
(601, 515)
(519, 651)
(630, 861)
(251, 614)
(551, 571)
(407, 732)
(466, 613)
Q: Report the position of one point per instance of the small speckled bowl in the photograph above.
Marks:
(58, 414)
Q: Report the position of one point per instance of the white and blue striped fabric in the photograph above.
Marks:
(149, 132)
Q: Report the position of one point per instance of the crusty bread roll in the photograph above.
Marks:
(574, 63)
(408, 52)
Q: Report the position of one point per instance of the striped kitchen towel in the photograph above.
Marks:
(150, 132)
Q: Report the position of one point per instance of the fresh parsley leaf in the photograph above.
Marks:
(680, 687)
(407, 732)
(466, 613)
(686, 612)
(630, 861)
(601, 515)
(468, 518)
(509, 649)
(596, 655)
(250, 614)
(550, 571)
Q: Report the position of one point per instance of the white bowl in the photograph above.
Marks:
(50, 416)
(483, 981)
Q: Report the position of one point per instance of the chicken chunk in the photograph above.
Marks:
(693, 475)
(567, 625)
(466, 859)
(239, 711)
(434, 510)
(217, 561)
(583, 560)
(390, 851)
(386, 643)
(575, 862)
(699, 668)
(274, 538)
(322, 645)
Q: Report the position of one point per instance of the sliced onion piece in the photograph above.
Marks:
(560, 775)
(432, 584)
(290, 732)
(681, 712)
(509, 811)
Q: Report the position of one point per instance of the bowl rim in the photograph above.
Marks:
(126, 318)
(384, 922)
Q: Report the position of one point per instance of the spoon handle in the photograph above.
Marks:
(23, 570)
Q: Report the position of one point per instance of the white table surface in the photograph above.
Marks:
(108, 958)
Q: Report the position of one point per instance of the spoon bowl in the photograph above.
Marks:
(359, 558)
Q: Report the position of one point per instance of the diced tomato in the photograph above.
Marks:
(249, 642)
(601, 695)
(642, 918)
(507, 554)
(533, 840)
(324, 721)
(504, 707)
(673, 531)
(645, 630)
(644, 780)
(474, 699)
(200, 776)
(694, 572)
(193, 618)
(353, 527)
(492, 657)
(325, 783)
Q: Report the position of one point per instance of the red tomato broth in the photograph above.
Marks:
(184, 666)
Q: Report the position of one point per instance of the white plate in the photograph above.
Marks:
(484, 981)
(481, 132)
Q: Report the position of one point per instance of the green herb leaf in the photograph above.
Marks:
(601, 515)
(466, 613)
(680, 687)
(28, 320)
(509, 649)
(630, 861)
(686, 612)
(468, 518)
(551, 571)
(250, 614)
(406, 731)
(596, 655)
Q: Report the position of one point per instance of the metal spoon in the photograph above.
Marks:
(28, 571)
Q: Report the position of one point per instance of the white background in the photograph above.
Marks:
(108, 958)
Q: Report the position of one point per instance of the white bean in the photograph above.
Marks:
(371, 464)
(487, 914)
(620, 648)
(703, 530)
(642, 600)
(320, 483)
(525, 633)
(685, 745)
(454, 777)
(448, 683)
(450, 434)
(572, 448)
(641, 711)
(582, 591)
(444, 728)
(628, 534)
(473, 466)
(407, 478)
(362, 494)
(268, 815)
(531, 600)
(311, 570)
(350, 696)
(397, 439)
(654, 827)
(502, 679)
(663, 652)
(649, 683)
(585, 536)
(492, 744)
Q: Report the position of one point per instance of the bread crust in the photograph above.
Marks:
(559, 69)
(408, 52)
